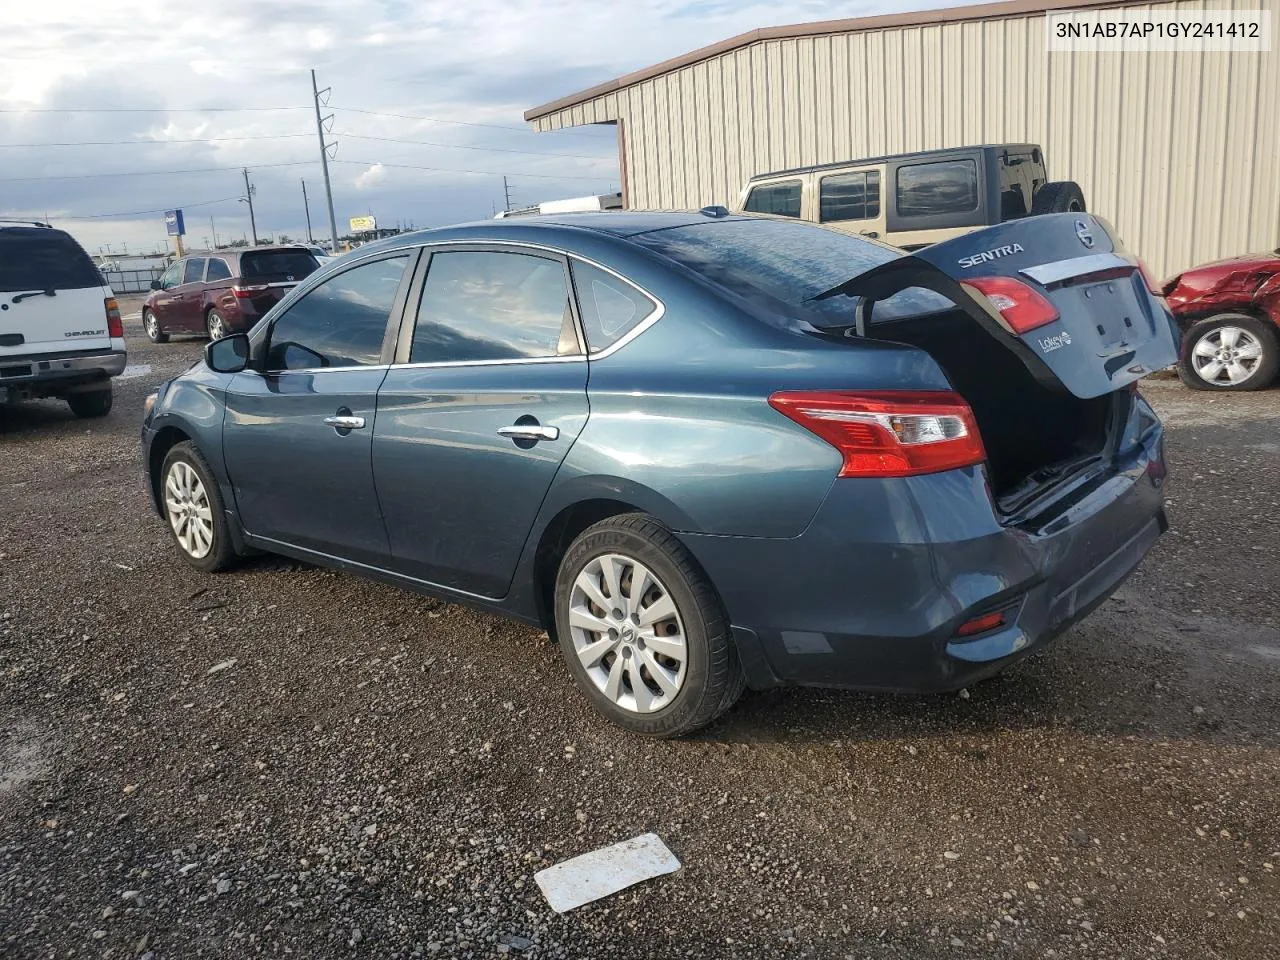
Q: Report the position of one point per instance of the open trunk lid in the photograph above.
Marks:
(1059, 290)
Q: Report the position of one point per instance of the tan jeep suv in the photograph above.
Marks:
(914, 199)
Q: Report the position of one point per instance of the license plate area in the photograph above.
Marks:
(1114, 312)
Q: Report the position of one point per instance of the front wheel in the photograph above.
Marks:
(1231, 351)
(151, 324)
(193, 507)
(643, 631)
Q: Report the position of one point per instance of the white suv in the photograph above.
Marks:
(60, 329)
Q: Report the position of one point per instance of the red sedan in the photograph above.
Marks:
(1229, 312)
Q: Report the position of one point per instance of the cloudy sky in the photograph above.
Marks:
(140, 106)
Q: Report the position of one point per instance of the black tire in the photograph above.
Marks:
(221, 554)
(1262, 332)
(151, 327)
(1061, 196)
(94, 404)
(713, 678)
(213, 322)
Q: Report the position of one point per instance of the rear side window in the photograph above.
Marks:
(610, 308)
(277, 264)
(193, 270)
(482, 305)
(340, 323)
(782, 198)
(850, 196)
(218, 270)
(937, 189)
(36, 258)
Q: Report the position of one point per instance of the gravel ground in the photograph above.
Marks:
(289, 761)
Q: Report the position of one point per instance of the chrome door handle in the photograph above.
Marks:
(530, 431)
(345, 423)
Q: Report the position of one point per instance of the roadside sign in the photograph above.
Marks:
(363, 224)
(173, 224)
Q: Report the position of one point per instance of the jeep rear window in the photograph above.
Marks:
(35, 258)
(937, 189)
(285, 263)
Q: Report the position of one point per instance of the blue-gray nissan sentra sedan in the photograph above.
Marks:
(704, 451)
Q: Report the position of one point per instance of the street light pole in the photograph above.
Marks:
(324, 162)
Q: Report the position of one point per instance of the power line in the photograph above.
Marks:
(145, 109)
(139, 213)
(463, 123)
(487, 173)
(464, 146)
(125, 143)
(153, 173)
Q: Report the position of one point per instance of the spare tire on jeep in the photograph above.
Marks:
(1060, 196)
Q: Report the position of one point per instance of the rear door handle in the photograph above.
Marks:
(530, 431)
(345, 423)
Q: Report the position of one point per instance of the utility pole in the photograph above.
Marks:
(306, 207)
(248, 198)
(214, 231)
(324, 160)
(506, 192)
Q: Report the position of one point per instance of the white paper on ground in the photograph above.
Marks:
(603, 872)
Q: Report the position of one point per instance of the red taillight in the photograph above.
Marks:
(245, 292)
(988, 621)
(888, 434)
(1022, 308)
(115, 326)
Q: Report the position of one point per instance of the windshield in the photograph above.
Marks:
(289, 263)
(36, 258)
(788, 262)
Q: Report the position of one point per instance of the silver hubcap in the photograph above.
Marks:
(215, 327)
(188, 507)
(153, 328)
(1227, 355)
(627, 633)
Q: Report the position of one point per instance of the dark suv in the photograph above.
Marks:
(219, 293)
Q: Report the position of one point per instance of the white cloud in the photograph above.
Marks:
(482, 62)
(371, 177)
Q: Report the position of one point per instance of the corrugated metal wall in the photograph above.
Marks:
(1180, 151)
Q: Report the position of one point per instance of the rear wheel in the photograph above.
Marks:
(216, 326)
(94, 404)
(1061, 196)
(151, 324)
(1231, 351)
(193, 507)
(643, 631)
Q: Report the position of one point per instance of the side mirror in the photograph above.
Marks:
(155, 285)
(228, 355)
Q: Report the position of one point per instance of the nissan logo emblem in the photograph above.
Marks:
(1084, 233)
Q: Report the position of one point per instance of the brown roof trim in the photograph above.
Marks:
(916, 18)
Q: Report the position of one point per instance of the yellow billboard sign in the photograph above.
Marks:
(363, 224)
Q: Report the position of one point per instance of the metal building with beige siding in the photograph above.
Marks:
(1181, 151)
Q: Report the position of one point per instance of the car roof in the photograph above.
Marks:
(552, 228)
(921, 155)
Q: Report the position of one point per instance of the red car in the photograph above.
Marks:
(1229, 312)
(224, 292)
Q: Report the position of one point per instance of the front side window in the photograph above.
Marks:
(610, 308)
(938, 189)
(483, 305)
(341, 323)
(218, 270)
(172, 276)
(850, 196)
(193, 271)
(782, 198)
